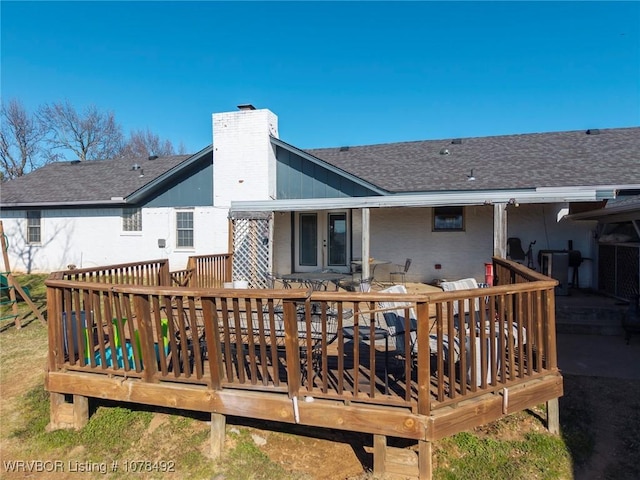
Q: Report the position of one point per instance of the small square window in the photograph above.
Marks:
(131, 219)
(448, 219)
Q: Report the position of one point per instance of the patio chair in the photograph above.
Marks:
(492, 338)
(188, 331)
(394, 313)
(272, 278)
(462, 284)
(515, 251)
(402, 273)
(364, 333)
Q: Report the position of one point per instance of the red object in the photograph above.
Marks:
(488, 273)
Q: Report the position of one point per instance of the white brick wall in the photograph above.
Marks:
(244, 159)
(93, 237)
(398, 233)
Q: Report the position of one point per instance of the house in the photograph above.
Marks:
(448, 204)
(101, 212)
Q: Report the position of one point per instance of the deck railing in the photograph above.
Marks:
(460, 344)
(206, 271)
(152, 272)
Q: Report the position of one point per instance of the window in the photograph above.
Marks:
(184, 229)
(33, 226)
(308, 239)
(448, 219)
(131, 219)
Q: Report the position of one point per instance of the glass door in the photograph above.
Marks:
(337, 240)
(321, 241)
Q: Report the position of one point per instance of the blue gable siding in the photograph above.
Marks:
(298, 177)
(193, 188)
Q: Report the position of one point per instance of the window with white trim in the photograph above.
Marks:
(131, 219)
(184, 229)
(34, 227)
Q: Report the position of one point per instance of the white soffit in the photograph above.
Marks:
(441, 199)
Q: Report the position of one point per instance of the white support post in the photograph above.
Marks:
(365, 243)
(500, 230)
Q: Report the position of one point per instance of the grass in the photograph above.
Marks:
(119, 434)
(473, 455)
(37, 290)
(517, 447)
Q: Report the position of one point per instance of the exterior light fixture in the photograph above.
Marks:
(471, 177)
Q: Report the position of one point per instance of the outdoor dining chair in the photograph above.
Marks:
(394, 315)
(402, 273)
(494, 345)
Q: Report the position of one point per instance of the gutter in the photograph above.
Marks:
(116, 201)
(439, 199)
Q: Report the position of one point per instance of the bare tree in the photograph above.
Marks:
(92, 135)
(182, 149)
(144, 143)
(20, 140)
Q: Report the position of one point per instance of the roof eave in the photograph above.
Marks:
(431, 199)
(622, 213)
(18, 205)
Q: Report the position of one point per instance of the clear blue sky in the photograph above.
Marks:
(335, 73)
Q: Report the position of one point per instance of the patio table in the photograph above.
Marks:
(372, 265)
(315, 280)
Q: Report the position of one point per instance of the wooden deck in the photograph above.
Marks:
(282, 355)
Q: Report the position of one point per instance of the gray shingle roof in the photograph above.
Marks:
(557, 159)
(85, 182)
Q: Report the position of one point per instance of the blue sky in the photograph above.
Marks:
(335, 73)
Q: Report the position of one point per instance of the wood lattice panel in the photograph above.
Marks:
(252, 249)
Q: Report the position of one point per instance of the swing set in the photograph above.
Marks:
(11, 292)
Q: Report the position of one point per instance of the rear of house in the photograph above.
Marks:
(448, 205)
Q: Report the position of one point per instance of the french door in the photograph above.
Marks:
(322, 241)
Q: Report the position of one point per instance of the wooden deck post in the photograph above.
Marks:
(218, 426)
(425, 467)
(68, 415)
(379, 454)
(292, 347)
(80, 411)
(145, 330)
(553, 416)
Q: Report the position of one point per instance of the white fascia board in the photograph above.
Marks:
(543, 195)
(114, 202)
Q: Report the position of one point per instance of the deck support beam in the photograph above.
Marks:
(553, 416)
(218, 427)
